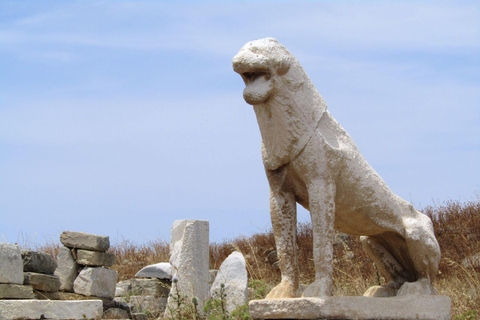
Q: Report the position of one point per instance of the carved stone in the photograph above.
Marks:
(310, 159)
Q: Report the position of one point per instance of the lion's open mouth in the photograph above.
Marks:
(249, 77)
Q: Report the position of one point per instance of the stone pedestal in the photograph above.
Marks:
(424, 307)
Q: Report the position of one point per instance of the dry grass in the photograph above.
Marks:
(457, 227)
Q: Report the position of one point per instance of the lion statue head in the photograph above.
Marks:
(287, 105)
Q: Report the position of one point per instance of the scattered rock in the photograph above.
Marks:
(95, 258)
(15, 291)
(162, 270)
(11, 266)
(99, 282)
(67, 269)
(115, 313)
(42, 282)
(39, 309)
(233, 275)
(82, 240)
(38, 262)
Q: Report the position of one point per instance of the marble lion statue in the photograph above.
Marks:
(310, 159)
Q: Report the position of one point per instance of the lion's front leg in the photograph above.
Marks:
(322, 211)
(284, 221)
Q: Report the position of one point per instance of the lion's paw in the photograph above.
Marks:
(319, 288)
(422, 286)
(283, 290)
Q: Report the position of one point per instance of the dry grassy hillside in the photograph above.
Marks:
(457, 227)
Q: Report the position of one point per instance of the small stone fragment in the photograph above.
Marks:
(15, 291)
(82, 240)
(67, 269)
(95, 258)
(99, 282)
(150, 287)
(115, 313)
(42, 282)
(38, 262)
(162, 270)
(11, 264)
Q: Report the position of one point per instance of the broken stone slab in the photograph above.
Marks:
(41, 309)
(425, 307)
(11, 266)
(99, 282)
(189, 257)
(67, 269)
(42, 282)
(15, 291)
(162, 270)
(38, 262)
(95, 258)
(233, 275)
(150, 287)
(82, 240)
(149, 304)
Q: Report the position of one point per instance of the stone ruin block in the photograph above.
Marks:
(95, 258)
(11, 266)
(16, 291)
(162, 270)
(149, 304)
(67, 269)
(61, 310)
(42, 282)
(99, 282)
(38, 262)
(82, 240)
(189, 257)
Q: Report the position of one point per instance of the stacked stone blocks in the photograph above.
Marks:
(82, 265)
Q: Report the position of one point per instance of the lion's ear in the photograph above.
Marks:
(282, 66)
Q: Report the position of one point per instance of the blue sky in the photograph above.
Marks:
(117, 118)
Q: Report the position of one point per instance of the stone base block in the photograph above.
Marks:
(15, 291)
(425, 307)
(41, 309)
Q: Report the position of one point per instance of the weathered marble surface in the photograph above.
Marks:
(310, 159)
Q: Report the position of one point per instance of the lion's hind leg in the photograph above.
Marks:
(424, 251)
(380, 250)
